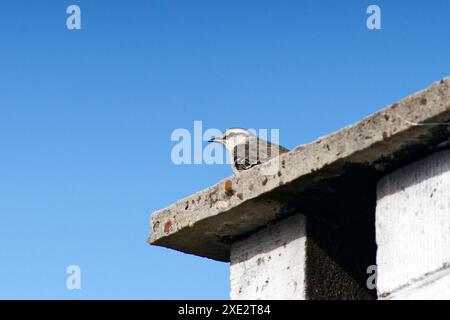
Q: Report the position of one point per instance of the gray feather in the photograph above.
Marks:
(254, 152)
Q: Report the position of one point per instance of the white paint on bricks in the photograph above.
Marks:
(435, 286)
(270, 264)
(413, 222)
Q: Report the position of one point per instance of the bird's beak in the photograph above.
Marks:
(219, 140)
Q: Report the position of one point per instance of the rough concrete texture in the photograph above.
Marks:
(413, 223)
(207, 223)
(270, 264)
(435, 286)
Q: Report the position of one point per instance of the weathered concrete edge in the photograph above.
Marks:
(193, 218)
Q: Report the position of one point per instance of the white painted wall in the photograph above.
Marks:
(413, 229)
(270, 264)
(434, 286)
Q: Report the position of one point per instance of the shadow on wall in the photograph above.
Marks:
(341, 236)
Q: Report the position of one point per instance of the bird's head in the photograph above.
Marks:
(233, 137)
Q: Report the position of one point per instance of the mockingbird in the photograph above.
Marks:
(246, 149)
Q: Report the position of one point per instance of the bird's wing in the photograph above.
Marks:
(254, 152)
(274, 150)
(245, 155)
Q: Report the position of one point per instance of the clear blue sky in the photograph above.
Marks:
(86, 118)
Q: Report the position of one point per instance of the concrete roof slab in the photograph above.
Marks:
(207, 222)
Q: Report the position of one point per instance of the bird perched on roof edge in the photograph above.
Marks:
(246, 149)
